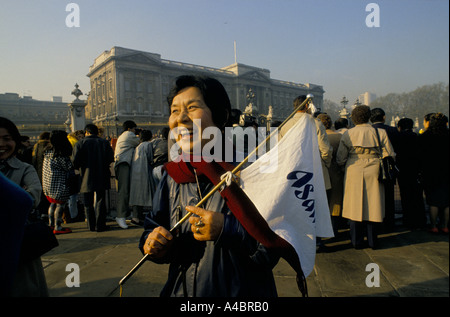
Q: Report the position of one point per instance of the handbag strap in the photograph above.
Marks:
(379, 143)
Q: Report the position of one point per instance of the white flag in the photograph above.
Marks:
(287, 187)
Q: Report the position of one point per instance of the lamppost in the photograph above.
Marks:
(344, 112)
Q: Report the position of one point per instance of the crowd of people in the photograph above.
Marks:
(214, 253)
(421, 161)
(65, 177)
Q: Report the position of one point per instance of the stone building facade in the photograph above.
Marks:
(128, 84)
(33, 116)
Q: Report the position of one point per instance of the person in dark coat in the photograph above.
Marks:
(434, 170)
(378, 118)
(93, 156)
(407, 160)
(160, 153)
(15, 207)
(211, 255)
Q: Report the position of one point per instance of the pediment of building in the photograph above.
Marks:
(255, 75)
(140, 58)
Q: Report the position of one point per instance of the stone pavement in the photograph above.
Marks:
(410, 263)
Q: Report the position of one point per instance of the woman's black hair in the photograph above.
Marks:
(12, 130)
(91, 128)
(214, 95)
(405, 124)
(145, 135)
(128, 125)
(60, 143)
(438, 124)
(377, 115)
(428, 116)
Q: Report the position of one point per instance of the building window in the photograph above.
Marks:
(110, 89)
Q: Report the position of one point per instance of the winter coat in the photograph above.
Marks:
(434, 167)
(336, 176)
(24, 175)
(160, 152)
(235, 265)
(124, 151)
(93, 156)
(363, 193)
(55, 176)
(142, 185)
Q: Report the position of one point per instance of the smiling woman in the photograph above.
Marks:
(189, 114)
(21, 173)
(196, 105)
(7, 144)
(211, 254)
(30, 278)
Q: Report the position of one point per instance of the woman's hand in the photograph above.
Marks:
(158, 242)
(206, 227)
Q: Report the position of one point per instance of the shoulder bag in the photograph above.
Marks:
(388, 169)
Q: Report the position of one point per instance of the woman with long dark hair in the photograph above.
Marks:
(55, 178)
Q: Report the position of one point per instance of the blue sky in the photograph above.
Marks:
(324, 42)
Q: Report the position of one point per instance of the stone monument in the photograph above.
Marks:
(77, 112)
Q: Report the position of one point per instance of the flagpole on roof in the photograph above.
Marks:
(217, 187)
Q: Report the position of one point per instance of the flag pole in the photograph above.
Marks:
(215, 188)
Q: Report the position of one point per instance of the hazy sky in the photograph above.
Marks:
(324, 42)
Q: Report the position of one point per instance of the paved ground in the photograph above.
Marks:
(410, 263)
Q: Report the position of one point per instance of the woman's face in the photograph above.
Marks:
(188, 114)
(7, 144)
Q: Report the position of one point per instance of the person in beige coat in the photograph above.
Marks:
(363, 194)
(335, 194)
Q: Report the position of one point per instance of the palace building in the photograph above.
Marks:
(128, 84)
